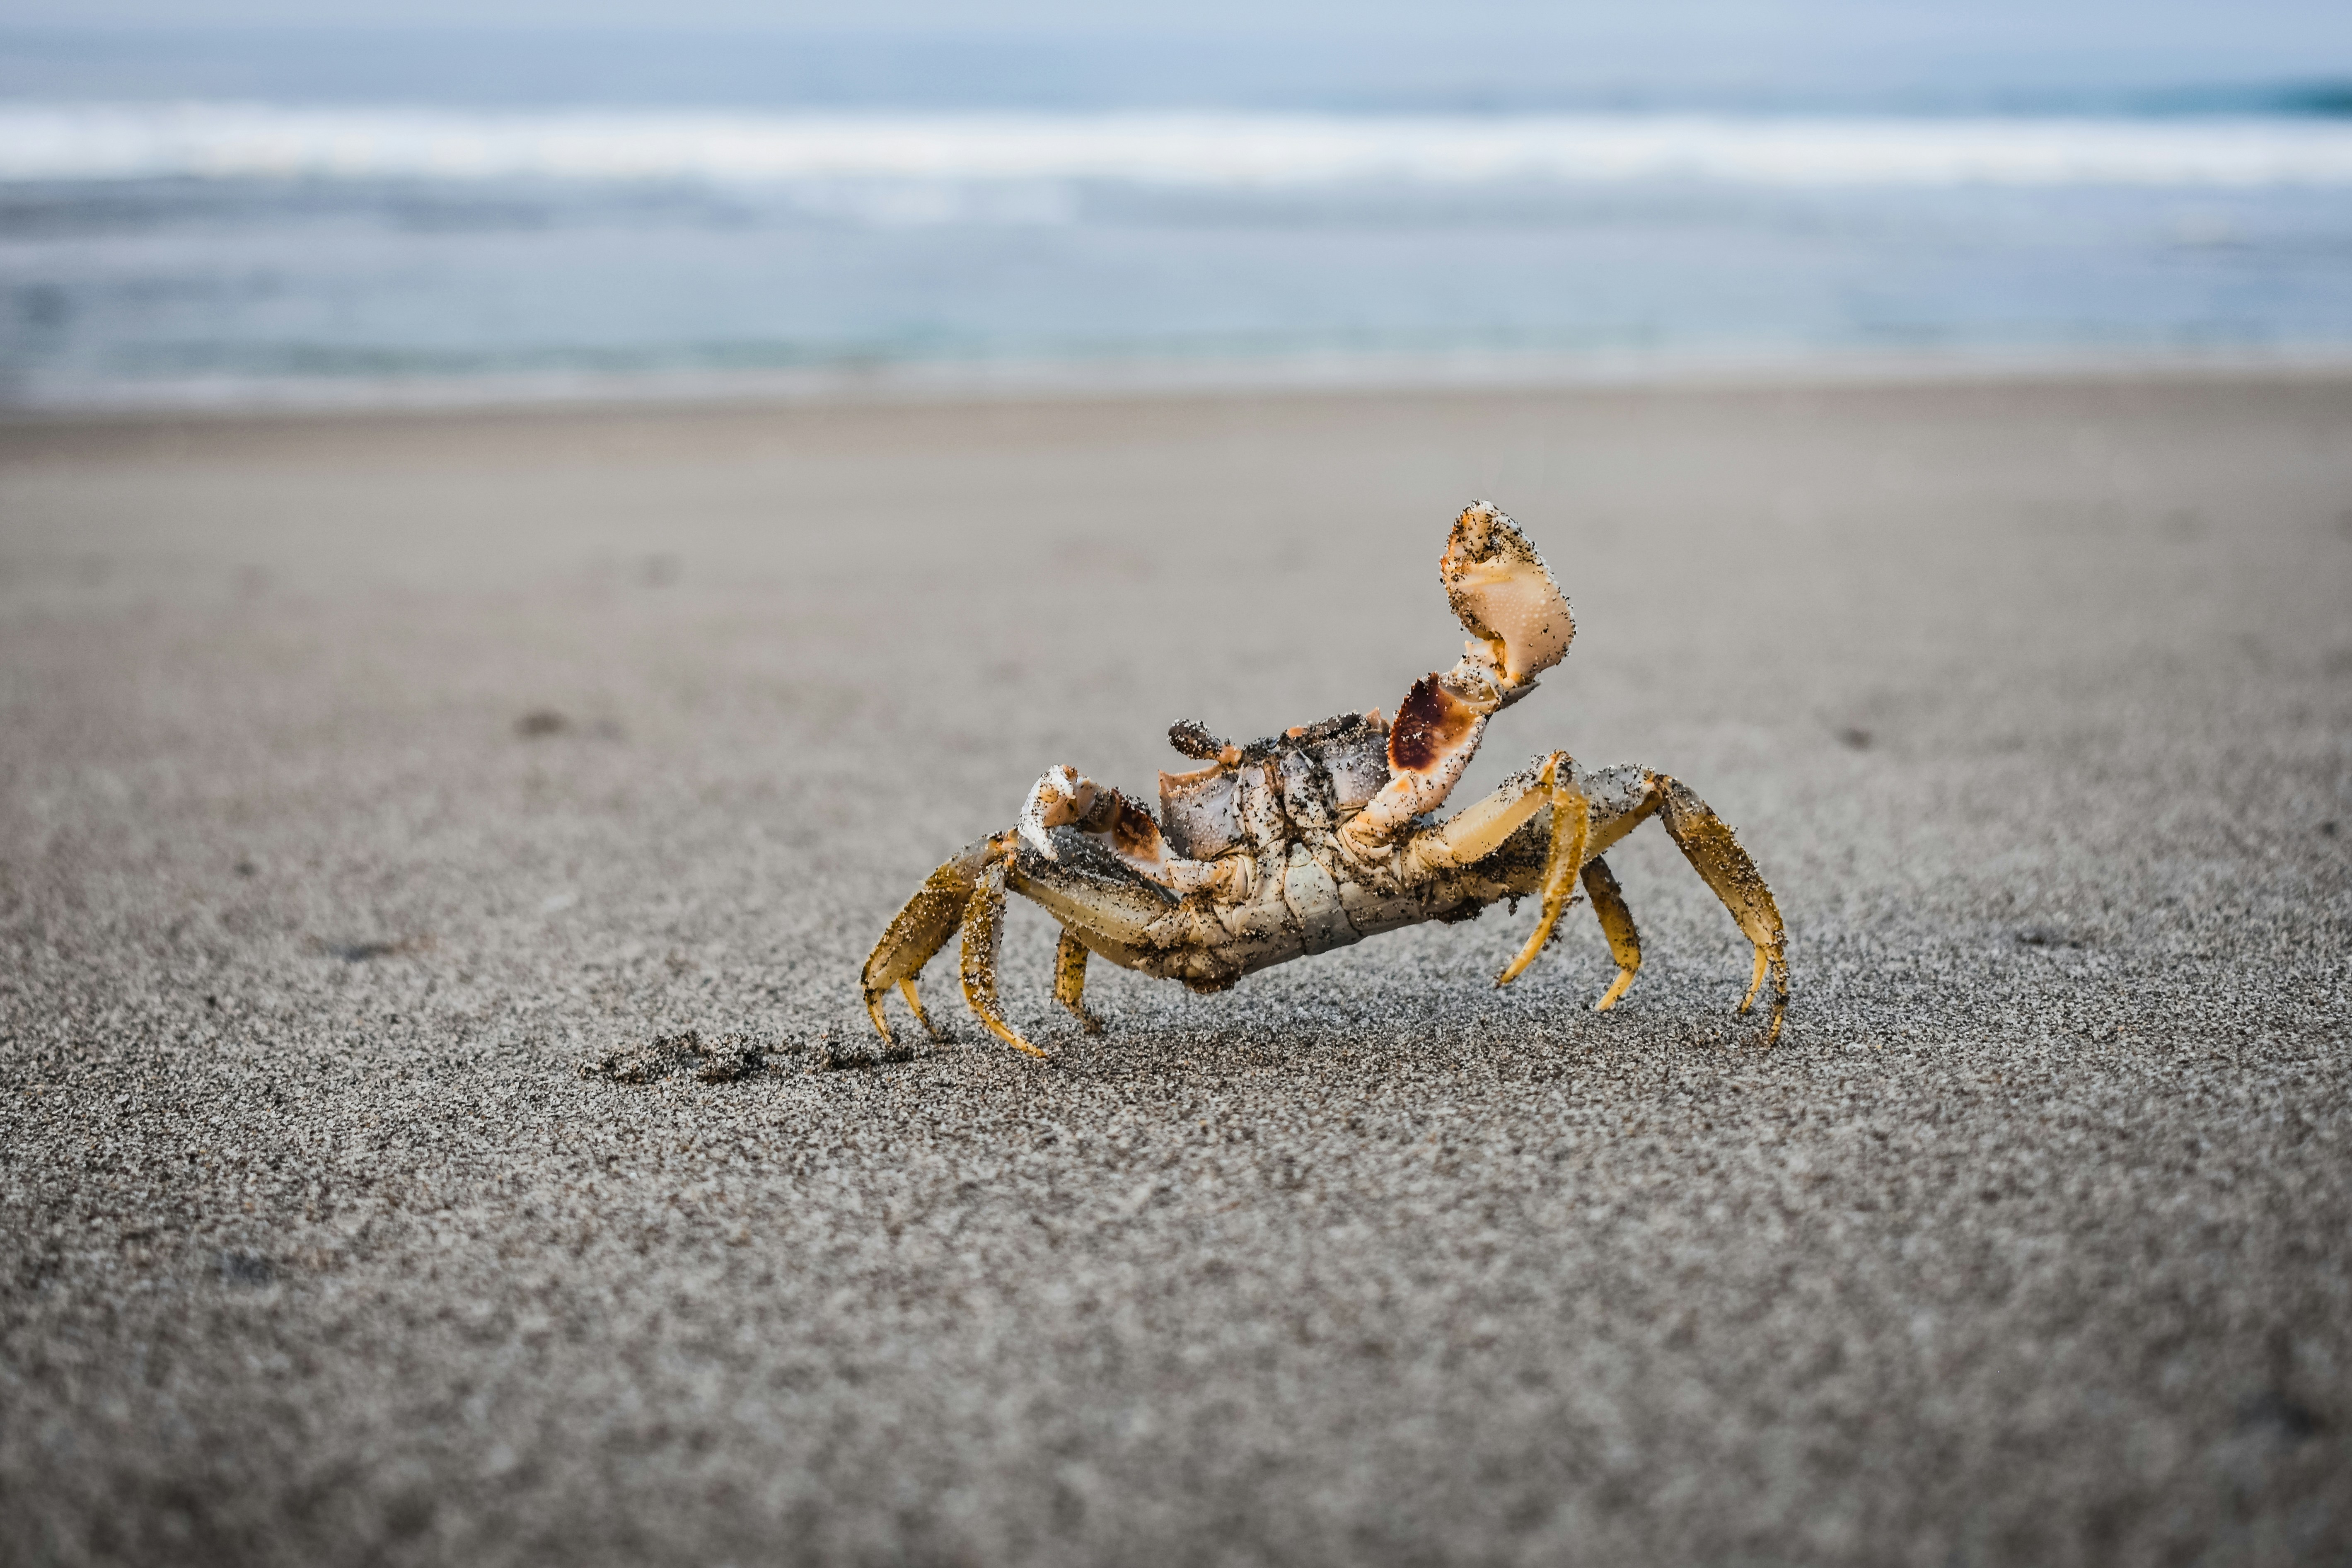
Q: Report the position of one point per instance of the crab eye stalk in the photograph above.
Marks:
(1191, 738)
(1501, 592)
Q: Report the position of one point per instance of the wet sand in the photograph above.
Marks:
(362, 780)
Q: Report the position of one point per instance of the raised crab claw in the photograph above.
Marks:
(1321, 837)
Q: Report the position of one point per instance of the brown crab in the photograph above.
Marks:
(1321, 837)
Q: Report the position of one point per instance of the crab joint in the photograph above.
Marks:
(1059, 799)
(1432, 740)
(1435, 726)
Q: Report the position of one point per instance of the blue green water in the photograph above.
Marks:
(217, 225)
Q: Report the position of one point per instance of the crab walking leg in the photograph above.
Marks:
(918, 931)
(1571, 823)
(983, 918)
(1617, 925)
(1708, 844)
(1479, 830)
(1070, 981)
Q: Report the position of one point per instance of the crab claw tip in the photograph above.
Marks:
(1503, 592)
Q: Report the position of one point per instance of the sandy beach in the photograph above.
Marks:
(373, 788)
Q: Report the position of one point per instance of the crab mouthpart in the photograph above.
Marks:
(1501, 592)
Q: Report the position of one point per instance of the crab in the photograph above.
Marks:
(1325, 835)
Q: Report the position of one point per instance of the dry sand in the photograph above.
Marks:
(363, 778)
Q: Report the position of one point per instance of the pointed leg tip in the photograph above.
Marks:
(1005, 1032)
(1520, 964)
(1616, 992)
(922, 1014)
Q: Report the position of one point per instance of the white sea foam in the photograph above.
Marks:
(53, 142)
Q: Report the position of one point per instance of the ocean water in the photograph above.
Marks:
(373, 242)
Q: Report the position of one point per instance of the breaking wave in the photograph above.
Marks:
(225, 140)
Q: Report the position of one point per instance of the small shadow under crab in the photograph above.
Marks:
(724, 1058)
(363, 952)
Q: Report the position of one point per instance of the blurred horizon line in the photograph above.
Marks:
(918, 382)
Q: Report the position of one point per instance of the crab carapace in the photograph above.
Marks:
(1324, 835)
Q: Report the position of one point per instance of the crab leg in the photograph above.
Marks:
(984, 917)
(1617, 925)
(1481, 829)
(915, 1006)
(918, 931)
(1708, 844)
(1590, 812)
(1070, 981)
(1477, 831)
(1572, 824)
